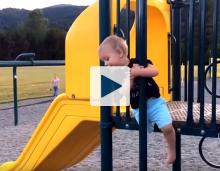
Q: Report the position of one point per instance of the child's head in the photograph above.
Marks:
(114, 51)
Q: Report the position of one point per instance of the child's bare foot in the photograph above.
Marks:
(171, 157)
(169, 135)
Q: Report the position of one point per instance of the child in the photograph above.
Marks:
(56, 85)
(113, 51)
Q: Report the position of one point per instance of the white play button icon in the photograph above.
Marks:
(110, 86)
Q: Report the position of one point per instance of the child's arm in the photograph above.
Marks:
(140, 71)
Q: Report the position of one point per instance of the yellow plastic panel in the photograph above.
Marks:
(82, 46)
(81, 50)
(158, 47)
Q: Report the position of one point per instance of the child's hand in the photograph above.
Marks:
(135, 70)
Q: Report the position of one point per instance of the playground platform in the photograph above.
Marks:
(125, 143)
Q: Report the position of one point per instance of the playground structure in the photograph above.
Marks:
(70, 129)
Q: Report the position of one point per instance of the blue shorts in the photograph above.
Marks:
(157, 112)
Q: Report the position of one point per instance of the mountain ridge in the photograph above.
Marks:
(61, 16)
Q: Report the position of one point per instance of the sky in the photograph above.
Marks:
(32, 4)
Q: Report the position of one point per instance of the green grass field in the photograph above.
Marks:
(32, 82)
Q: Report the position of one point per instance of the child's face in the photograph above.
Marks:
(111, 57)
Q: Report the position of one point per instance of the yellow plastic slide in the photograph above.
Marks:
(68, 132)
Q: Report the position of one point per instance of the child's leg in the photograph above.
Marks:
(159, 114)
(149, 124)
(55, 91)
(170, 137)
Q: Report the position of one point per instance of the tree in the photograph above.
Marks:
(37, 22)
(54, 44)
(208, 31)
(6, 45)
(36, 29)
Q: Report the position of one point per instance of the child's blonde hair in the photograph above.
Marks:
(117, 43)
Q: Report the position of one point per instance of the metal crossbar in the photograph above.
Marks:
(178, 111)
(32, 63)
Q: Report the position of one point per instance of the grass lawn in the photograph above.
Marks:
(32, 82)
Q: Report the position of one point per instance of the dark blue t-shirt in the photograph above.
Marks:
(151, 87)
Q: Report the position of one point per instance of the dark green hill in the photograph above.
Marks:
(61, 16)
(11, 17)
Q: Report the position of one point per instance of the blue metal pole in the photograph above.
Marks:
(201, 70)
(215, 55)
(106, 119)
(186, 10)
(118, 33)
(127, 35)
(118, 12)
(15, 95)
(176, 74)
(191, 65)
(175, 52)
(128, 25)
(141, 54)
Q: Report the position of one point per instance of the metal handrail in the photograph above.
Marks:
(206, 72)
(27, 55)
(32, 63)
(203, 157)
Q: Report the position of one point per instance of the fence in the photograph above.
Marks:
(32, 63)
